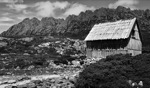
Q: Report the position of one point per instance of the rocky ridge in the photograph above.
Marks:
(33, 26)
(78, 26)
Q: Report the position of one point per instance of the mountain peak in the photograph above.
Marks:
(77, 26)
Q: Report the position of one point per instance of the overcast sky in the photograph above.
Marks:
(14, 11)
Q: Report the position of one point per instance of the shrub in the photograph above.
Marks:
(115, 72)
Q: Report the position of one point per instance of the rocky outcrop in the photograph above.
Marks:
(23, 28)
(31, 27)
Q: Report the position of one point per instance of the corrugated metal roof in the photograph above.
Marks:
(111, 30)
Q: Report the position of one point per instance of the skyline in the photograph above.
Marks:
(14, 11)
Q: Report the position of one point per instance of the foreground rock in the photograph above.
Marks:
(62, 80)
(9, 82)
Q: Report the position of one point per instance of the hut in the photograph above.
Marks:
(111, 38)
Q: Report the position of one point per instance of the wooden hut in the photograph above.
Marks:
(114, 38)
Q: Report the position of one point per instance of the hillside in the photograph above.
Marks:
(80, 25)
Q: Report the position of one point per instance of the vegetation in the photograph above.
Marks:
(116, 71)
(27, 55)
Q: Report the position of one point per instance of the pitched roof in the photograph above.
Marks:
(111, 30)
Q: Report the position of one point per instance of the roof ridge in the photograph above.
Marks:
(121, 20)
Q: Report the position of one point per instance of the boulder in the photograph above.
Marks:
(76, 63)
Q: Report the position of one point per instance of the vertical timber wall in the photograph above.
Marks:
(103, 53)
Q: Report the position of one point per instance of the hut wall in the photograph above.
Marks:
(103, 48)
(135, 45)
(94, 53)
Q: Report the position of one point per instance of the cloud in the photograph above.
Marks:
(5, 14)
(17, 7)
(6, 24)
(56, 9)
(77, 8)
(11, 1)
(46, 9)
(5, 19)
(61, 5)
(21, 17)
(126, 3)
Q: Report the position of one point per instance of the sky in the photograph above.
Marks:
(14, 11)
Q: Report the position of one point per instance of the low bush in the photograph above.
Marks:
(116, 71)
